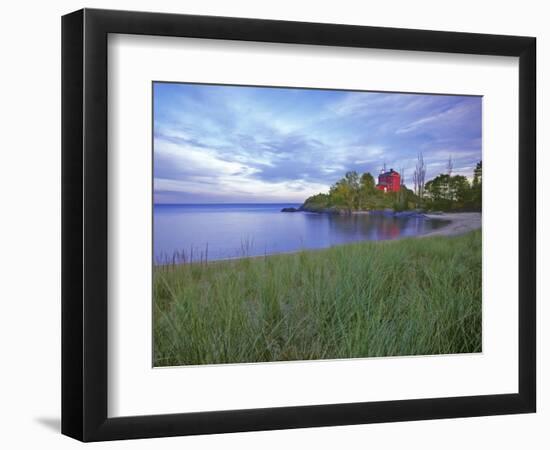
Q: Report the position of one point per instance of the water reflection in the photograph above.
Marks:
(200, 232)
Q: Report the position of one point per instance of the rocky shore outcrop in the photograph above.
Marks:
(349, 212)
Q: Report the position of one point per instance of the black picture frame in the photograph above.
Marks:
(84, 224)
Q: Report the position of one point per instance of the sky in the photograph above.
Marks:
(235, 144)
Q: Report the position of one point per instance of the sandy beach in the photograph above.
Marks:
(459, 223)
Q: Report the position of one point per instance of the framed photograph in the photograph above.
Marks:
(272, 224)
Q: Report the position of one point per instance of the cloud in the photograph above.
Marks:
(222, 143)
(444, 119)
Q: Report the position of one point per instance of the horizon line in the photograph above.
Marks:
(229, 203)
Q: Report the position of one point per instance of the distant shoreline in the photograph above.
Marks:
(459, 223)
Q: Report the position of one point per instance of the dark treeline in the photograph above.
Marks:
(445, 192)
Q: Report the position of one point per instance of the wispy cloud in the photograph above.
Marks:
(222, 143)
(456, 114)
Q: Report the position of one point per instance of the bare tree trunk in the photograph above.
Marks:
(420, 176)
(449, 173)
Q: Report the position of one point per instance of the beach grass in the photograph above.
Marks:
(367, 299)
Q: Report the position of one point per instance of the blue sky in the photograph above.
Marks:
(231, 144)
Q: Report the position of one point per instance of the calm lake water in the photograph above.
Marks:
(237, 230)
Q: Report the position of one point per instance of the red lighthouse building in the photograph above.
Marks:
(389, 181)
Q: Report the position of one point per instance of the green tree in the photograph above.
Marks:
(477, 187)
(437, 189)
(446, 192)
(367, 190)
(459, 189)
(317, 202)
(477, 175)
(345, 192)
(367, 183)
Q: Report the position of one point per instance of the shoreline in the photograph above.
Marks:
(377, 292)
(457, 224)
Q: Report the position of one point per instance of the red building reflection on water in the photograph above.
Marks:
(390, 230)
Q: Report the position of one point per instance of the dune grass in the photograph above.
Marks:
(367, 299)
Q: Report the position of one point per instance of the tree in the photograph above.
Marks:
(339, 194)
(450, 174)
(367, 183)
(352, 179)
(459, 188)
(445, 192)
(477, 187)
(450, 165)
(419, 176)
(448, 192)
(317, 202)
(477, 175)
(437, 188)
(367, 189)
(345, 192)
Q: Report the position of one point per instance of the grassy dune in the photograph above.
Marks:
(406, 297)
